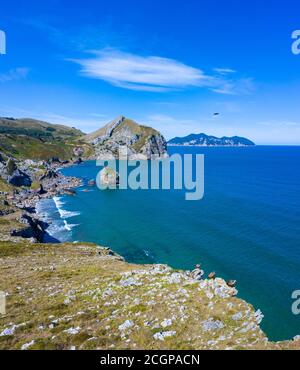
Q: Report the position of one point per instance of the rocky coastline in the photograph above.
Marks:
(86, 296)
(19, 203)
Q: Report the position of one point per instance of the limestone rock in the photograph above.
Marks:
(142, 142)
(10, 172)
(108, 177)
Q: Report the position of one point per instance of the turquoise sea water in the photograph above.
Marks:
(247, 227)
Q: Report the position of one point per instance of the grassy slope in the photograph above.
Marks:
(53, 288)
(39, 127)
(4, 186)
(24, 147)
(31, 139)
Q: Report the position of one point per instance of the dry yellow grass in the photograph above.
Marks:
(77, 295)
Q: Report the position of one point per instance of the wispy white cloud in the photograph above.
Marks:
(135, 72)
(224, 71)
(14, 74)
(155, 73)
(243, 86)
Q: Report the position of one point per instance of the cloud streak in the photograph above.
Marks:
(135, 72)
(153, 73)
(14, 74)
(224, 71)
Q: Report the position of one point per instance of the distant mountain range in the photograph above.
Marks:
(205, 140)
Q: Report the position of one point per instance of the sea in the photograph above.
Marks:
(246, 227)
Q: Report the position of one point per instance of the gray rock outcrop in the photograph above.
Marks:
(140, 141)
(10, 172)
(34, 228)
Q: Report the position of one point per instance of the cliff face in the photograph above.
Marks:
(10, 173)
(142, 142)
(37, 140)
(86, 297)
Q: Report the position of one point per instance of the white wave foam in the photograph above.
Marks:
(58, 202)
(63, 213)
(67, 214)
(69, 227)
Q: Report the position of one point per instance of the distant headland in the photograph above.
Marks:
(205, 140)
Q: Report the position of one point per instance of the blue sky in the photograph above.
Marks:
(169, 64)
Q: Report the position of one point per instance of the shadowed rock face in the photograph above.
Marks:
(142, 142)
(34, 229)
(13, 175)
(19, 178)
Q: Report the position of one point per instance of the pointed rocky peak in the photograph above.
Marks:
(123, 131)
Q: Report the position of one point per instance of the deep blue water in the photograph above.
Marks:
(247, 227)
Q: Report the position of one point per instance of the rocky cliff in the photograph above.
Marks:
(13, 175)
(87, 297)
(142, 142)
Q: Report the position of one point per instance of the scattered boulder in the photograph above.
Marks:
(127, 325)
(72, 331)
(162, 335)
(211, 325)
(231, 283)
(212, 275)
(166, 323)
(197, 274)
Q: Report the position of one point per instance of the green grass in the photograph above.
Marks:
(24, 147)
(37, 294)
(4, 186)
